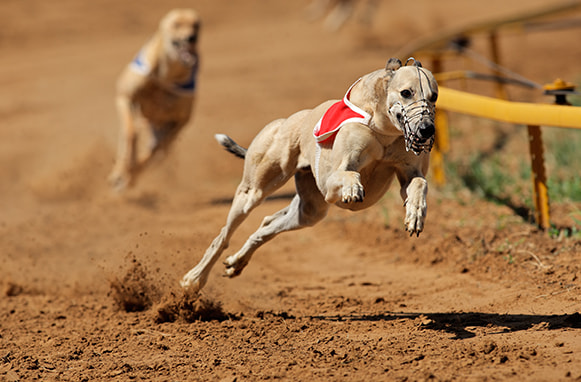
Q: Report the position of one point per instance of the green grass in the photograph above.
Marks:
(490, 179)
(501, 177)
(562, 156)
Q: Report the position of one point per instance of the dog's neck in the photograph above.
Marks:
(370, 95)
(174, 70)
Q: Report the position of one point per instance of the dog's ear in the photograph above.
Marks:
(414, 62)
(393, 64)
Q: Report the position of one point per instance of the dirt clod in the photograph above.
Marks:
(189, 308)
(135, 291)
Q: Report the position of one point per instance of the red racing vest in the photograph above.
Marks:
(340, 113)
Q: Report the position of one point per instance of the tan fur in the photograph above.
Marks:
(353, 173)
(151, 94)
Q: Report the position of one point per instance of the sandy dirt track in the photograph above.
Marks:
(481, 295)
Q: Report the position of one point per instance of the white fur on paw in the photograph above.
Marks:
(192, 281)
(352, 192)
(234, 266)
(415, 216)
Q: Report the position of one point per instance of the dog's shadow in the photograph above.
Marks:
(458, 323)
(280, 196)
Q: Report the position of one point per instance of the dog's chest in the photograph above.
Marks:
(394, 153)
(160, 104)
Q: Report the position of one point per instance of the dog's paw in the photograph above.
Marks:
(415, 216)
(352, 193)
(416, 206)
(344, 187)
(119, 181)
(192, 282)
(234, 265)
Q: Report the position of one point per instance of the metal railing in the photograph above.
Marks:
(533, 115)
(455, 42)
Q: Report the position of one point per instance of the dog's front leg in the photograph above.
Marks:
(120, 176)
(414, 194)
(352, 151)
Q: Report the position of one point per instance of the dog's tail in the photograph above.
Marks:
(230, 145)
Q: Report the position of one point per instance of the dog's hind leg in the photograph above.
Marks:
(250, 193)
(307, 208)
(244, 201)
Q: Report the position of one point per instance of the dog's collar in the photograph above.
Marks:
(186, 88)
(141, 65)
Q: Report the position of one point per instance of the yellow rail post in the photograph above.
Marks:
(493, 40)
(440, 147)
(539, 177)
(441, 144)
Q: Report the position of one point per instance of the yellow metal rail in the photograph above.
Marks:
(512, 112)
(438, 48)
(531, 115)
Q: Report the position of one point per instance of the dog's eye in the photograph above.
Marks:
(434, 97)
(406, 93)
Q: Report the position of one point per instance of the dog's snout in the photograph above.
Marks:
(427, 129)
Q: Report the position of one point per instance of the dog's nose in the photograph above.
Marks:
(426, 130)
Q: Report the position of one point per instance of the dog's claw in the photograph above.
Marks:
(412, 233)
(353, 194)
(231, 272)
